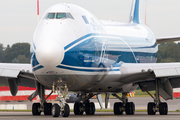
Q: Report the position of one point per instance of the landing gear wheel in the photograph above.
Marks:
(81, 111)
(130, 108)
(35, 107)
(150, 108)
(87, 108)
(117, 108)
(163, 108)
(47, 108)
(55, 110)
(92, 108)
(66, 111)
(77, 108)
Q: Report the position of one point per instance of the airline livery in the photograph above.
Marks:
(74, 51)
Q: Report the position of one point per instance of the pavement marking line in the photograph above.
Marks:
(141, 107)
(107, 116)
(5, 117)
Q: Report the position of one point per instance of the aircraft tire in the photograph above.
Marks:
(163, 108)
(130, 108)
(66, 111)
(81, 112)
(87, 108)
(55, 110)
(150, 110)
(35, 107)
(117, 110)
(92, 108)
(47, 108)
(76, 108)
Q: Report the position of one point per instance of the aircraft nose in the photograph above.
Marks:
(49, 52)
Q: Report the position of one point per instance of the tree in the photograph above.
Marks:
(17, 52)
(21, 49)
(23, 59)
(15, 60)
(1, 52)
(7, 57)
(168, 52)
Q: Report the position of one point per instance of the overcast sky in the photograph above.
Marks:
(18, 18)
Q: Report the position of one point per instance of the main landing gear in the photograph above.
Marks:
(43, 106)
(84, 106)
(48, 108)
(157, 105)
(120, 107)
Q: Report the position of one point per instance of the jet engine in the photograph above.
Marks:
(72, 98)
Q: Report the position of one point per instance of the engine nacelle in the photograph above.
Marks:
(13, 86)
(72, 98)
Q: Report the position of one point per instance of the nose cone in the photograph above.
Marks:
(49, 52)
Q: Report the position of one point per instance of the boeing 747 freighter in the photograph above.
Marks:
(74, 51)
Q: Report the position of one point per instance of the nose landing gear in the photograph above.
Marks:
(61, 106)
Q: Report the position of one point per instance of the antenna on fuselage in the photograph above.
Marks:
(38, 11)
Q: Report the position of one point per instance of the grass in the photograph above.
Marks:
(110, 110)
(138, 93)
(16, 110)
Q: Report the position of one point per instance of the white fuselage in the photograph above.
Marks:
(85, 53)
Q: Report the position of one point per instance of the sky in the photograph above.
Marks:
(18, 18)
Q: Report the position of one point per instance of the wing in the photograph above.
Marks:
(145, 74)
(15, 75)
(167, 39)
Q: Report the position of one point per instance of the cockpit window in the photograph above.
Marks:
(69, 16)
(51, 15)
(59, 16)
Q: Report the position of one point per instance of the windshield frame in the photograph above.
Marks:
(66, 15)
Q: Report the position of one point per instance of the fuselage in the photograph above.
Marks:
(72, 46)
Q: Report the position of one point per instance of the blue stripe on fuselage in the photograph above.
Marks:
(134, 40)
(81, 38)
(79, 69)
(90, 47)
(114, 70)
(38, 67)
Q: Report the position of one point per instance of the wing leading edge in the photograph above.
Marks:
(167, 39)
(15, 75)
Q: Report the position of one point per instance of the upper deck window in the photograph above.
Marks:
(85, 19)
(59, 16)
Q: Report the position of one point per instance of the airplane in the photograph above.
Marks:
(72, 50)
